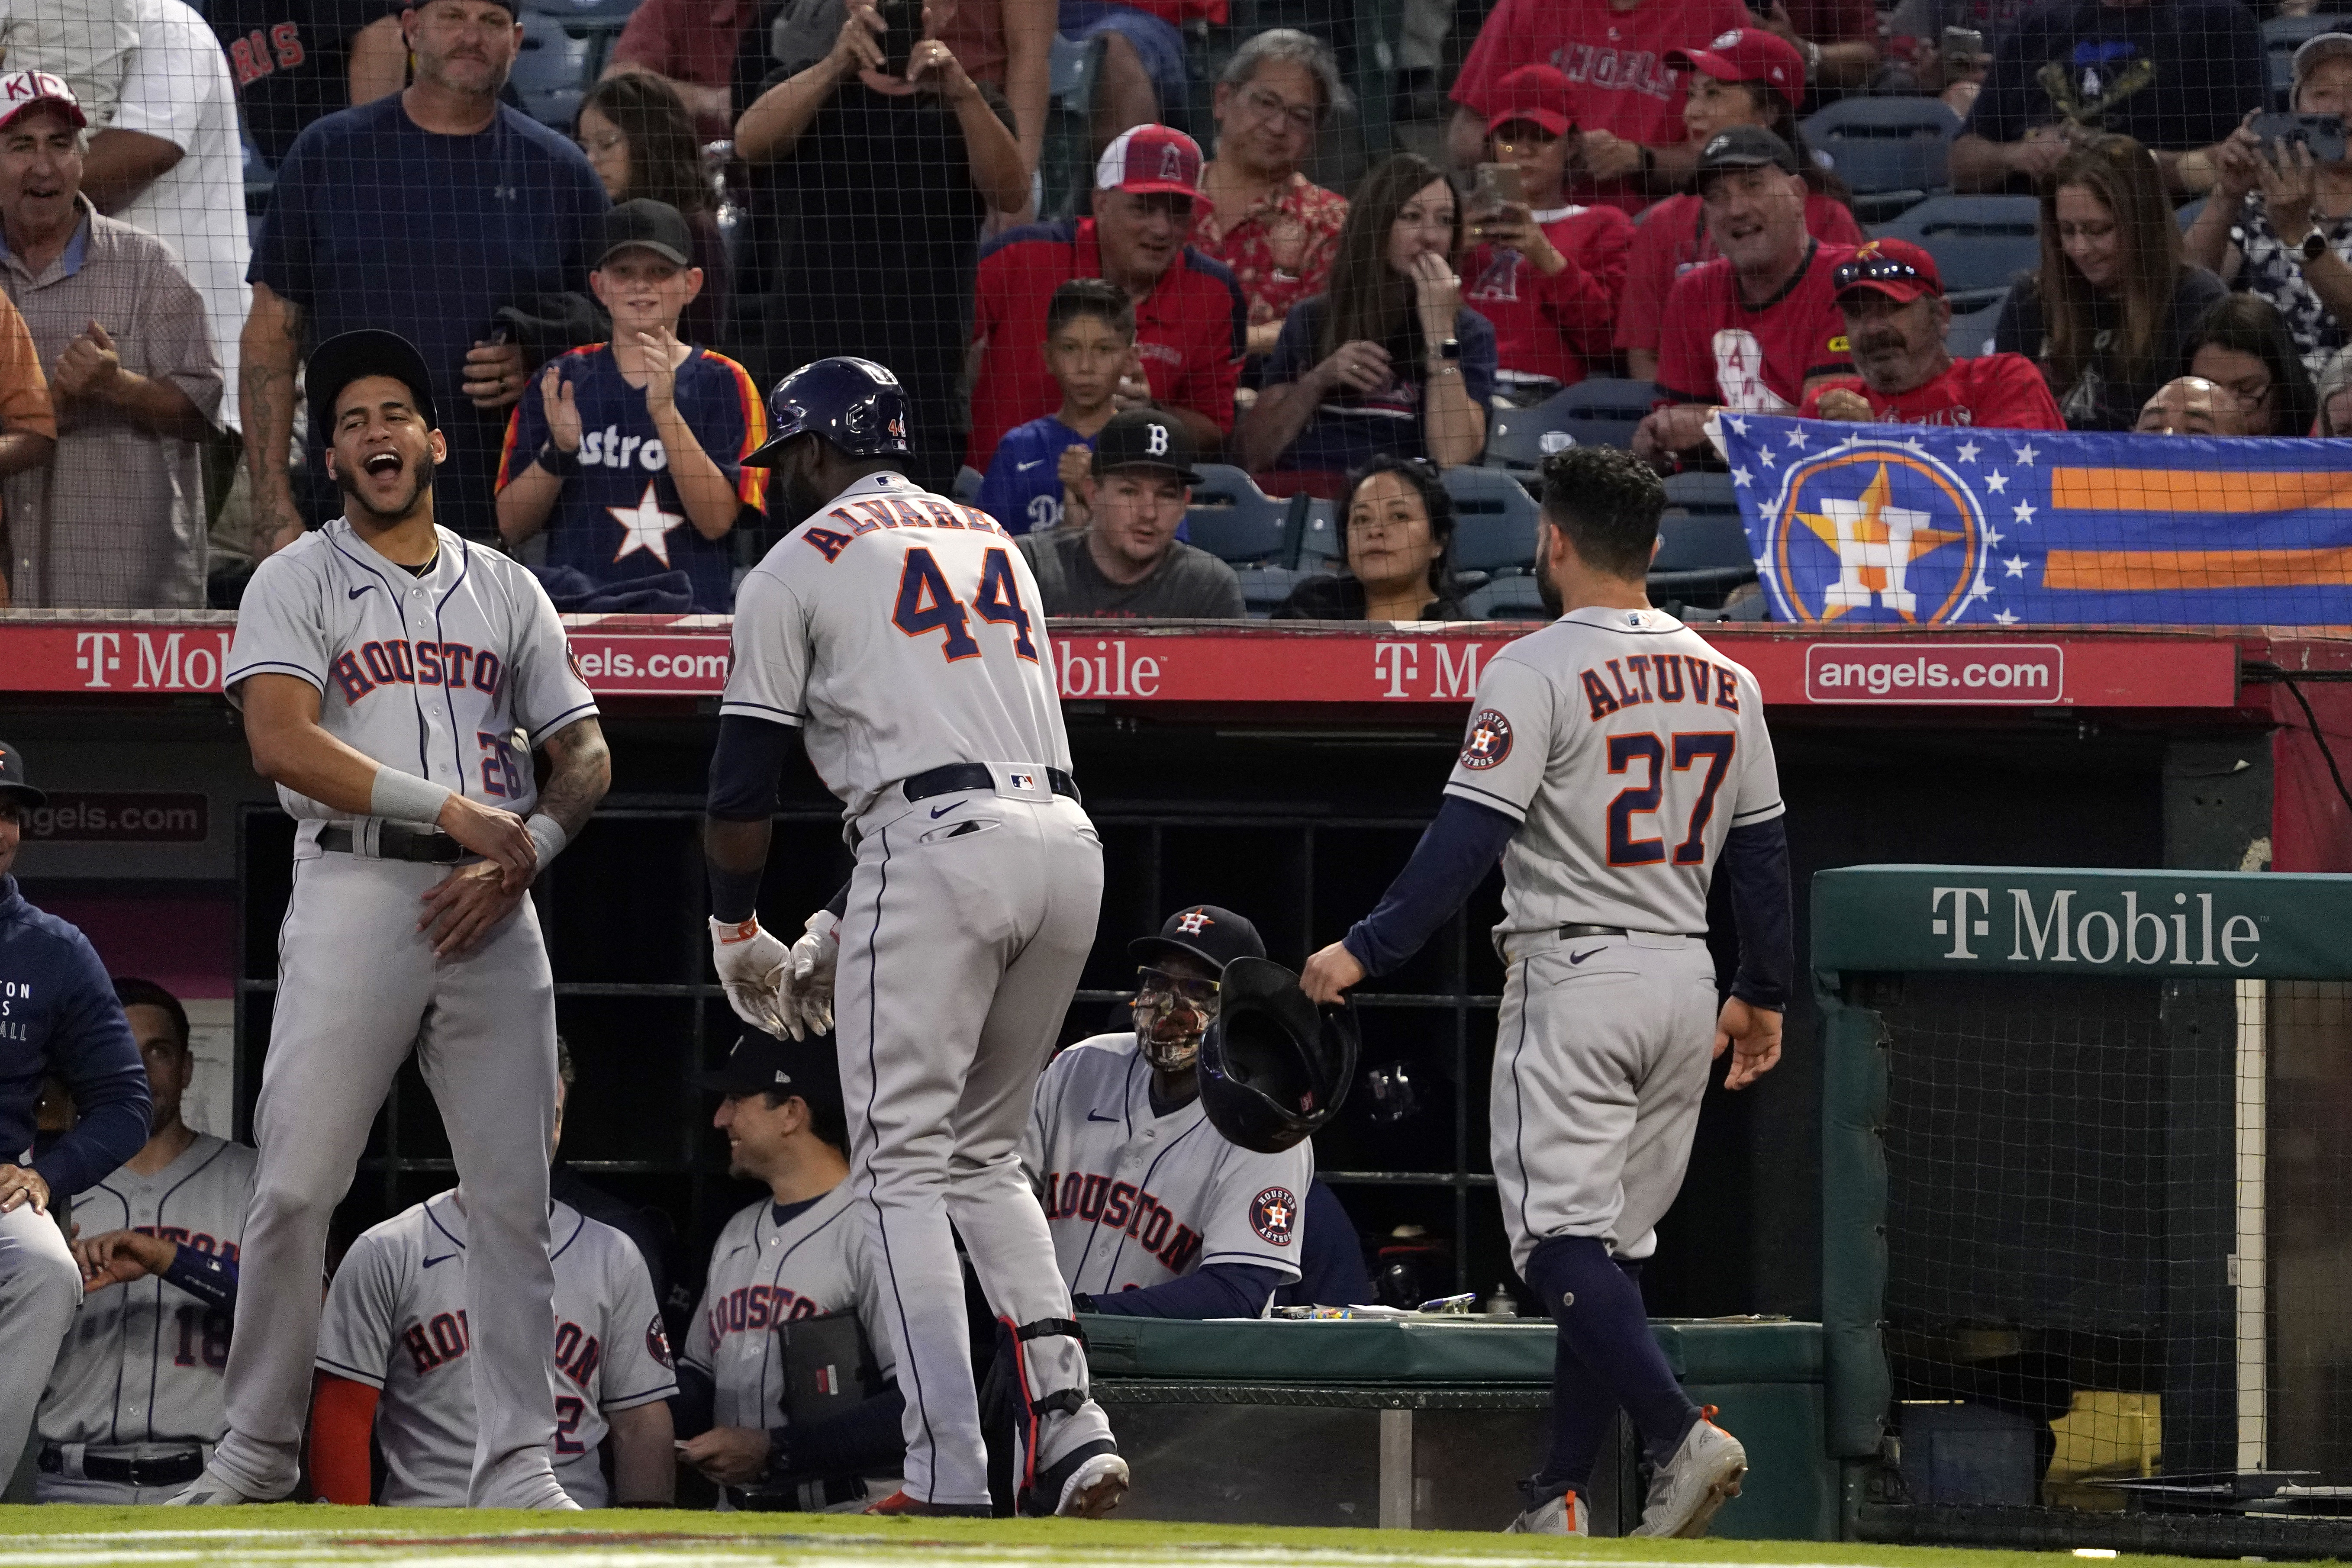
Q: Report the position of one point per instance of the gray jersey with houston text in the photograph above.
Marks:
(1134, 1199)
(396, 1319)
(433, 676)
(763, 1274)
(142, 1362)
(1627, 749)
(901, 632)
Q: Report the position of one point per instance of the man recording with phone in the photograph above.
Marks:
(2279, 223)
(872, 171)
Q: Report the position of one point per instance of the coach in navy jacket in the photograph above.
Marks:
(57, 1015)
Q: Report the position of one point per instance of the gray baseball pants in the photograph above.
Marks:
(970, 916)
(39, 1288)
(358, 989)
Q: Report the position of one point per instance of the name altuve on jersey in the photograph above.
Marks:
(1667, 671)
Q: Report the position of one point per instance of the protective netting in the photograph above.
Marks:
(2115, 1238)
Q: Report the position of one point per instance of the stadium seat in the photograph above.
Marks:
(967, 485)
(1322, 544)
(1893, 151)
(1701, 554)
(1067, 170)
(1521, 438)
(2282, 35)
(1701, 493)
(1515, 598)
(552, 71)
(1494, 520)
(1979, 243)
(2186, 215)
(1971, 333)
(1604, 411)
(1237, 522)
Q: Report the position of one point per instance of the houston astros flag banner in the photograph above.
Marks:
(1936, 526)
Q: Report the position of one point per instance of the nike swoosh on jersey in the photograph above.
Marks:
(1580, 957)
(443, 1258)
(358, 591)
(1098, 1116)
(939, 811)
(1024, 468)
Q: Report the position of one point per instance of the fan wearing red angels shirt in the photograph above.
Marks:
(1896, 318)
(1544, 272)
(1629, 99)
(1190, 320)
(1753, 329)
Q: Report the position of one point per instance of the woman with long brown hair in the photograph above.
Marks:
(2109, 313)
(639, 138)
(1388, 363)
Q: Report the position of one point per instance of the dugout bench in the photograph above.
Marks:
(1429, 1425)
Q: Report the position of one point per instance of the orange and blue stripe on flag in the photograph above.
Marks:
(1878, 524)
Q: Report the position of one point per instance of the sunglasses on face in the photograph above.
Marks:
(1150, 982)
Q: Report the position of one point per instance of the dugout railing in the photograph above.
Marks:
(2084, 1206)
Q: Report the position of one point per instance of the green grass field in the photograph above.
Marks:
(291, 1533)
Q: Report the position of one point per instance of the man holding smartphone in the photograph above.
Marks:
(872, 171)
(2280, 221)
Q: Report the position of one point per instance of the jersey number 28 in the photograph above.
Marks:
(1690, 747)
(927, 605)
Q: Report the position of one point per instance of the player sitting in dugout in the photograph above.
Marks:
(394, 1364)
(790, 1272)
(1153, 1213)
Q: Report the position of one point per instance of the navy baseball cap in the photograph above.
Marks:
(1745, 147)
(12, 779)
(348, 357)
(762, 1063)
(1215, 936)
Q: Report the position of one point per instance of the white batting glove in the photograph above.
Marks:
(813, 960)
(756, 970)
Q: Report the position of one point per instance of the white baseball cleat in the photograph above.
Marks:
(1563, 1515)
(1086, 1483)
(1703, 1475)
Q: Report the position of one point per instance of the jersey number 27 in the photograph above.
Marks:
(1714, 747)
(927, 605)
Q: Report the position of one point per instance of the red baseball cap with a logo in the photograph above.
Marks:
(1894, 268)
(1538, 94)
(21, 91)
(1749, 54)
(1150, 159)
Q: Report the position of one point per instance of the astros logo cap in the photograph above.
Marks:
(1215, 936)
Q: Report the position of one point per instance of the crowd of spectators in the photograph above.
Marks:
(1619, 188)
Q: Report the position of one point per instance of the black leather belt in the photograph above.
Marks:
(171, 1470)
(397, 841)
(1576, 934)
(977, 775)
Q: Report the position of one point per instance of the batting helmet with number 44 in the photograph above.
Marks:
(855, 403)
(1274, 1066)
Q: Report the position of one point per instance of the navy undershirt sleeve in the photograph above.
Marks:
(1755, 859)
(1212, 1290)
(210, 1279)
(1453, 857)
(745, 768)
(693, 1409)
(864, 1439)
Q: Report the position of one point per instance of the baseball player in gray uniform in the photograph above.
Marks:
(801, 1252)
(393, 679)
(396, 1326)
(1154, 1214)
(133, 1405)
(901, 635)
(58, 1016)
(1612, 760)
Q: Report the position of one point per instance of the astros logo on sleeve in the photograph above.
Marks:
(1488, 741)
(1273, 1215)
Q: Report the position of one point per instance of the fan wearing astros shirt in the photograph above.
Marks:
(1896, 318)
(1753, 330)
(1153, 1213)
(630, 453)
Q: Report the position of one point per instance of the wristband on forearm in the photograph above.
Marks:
(404, 798)
(548, 835)
(558, 461)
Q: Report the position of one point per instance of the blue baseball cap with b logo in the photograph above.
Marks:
(1144, 439)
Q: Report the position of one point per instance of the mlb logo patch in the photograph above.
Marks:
(1024, 781)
